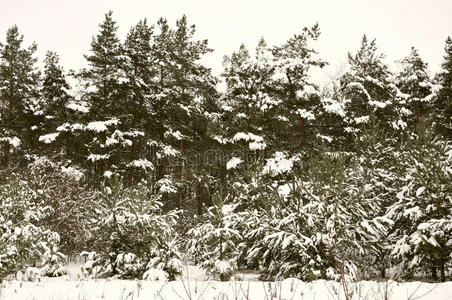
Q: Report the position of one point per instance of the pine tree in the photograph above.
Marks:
(416, 93)
(369, 91)
(20, 106)
(104, 73)
(55, 96)
(249, 113)
(443, 103)
(26, 240)
(299, 95)
(104, 80)
(131, 234)
(54, 91)
(184, 95)
(271, 99)
(139, 85)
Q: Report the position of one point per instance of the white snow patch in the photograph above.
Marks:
(48, 138)
(72, 172)
(100, 126)
(279, 164)
(14, 141)
(233, 163)
(141, 163)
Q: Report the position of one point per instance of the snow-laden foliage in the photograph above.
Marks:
(24, 240)
(415, 95)
(130, 234)
(442, 104)
(213, 241)
(422, 234)
(368, 90)
(323, 225)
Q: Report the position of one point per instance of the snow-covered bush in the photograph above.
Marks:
(63, 189)
(213, 242)
(422, 233)
(24, 241)
(131, 234)
(316, 225)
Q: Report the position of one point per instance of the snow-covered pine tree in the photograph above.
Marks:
(316, 225)
(20, 106)
(185, 88)
(368, 90)
(54, 93)
(416, 94)
(270, 100)
(140, 83)
(214, 240)
(299, 96)
(442, 105)
(249, 113)
(104, 80)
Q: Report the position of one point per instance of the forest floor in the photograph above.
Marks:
(195, 285)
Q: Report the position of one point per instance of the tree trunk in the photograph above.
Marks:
(5, 156)
(303, 132)
(434, 274)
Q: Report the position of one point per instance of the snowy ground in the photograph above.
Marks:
(71, 287)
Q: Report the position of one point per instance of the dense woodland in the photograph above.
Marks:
(139, 158)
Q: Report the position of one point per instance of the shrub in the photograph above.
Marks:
(131, 234)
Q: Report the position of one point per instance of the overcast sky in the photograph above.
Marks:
(67, 26)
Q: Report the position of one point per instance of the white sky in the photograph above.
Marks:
(67, 26)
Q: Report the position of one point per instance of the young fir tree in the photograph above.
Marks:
(20, 106)
(25, 239)
(315, 225)
(213, 242)
(442, 105)
(131, 235)
(416, 93)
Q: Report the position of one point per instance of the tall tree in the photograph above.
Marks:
(54, 90)
(416, 92)
(20, 106)
(184, 95)
(443, 103)
(55, 96)
(369, 91)
(299, 95)
(104, 80)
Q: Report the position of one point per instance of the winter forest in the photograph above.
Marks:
(138, 163)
